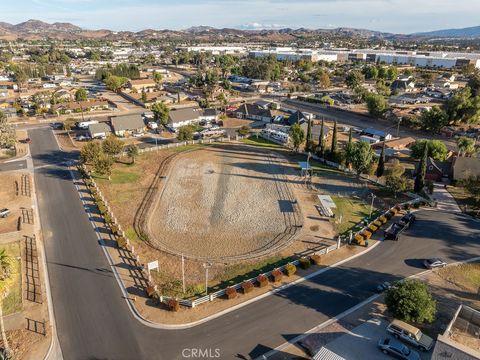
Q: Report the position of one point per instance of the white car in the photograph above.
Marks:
(82, 138)
(434, 263)
(137, 134)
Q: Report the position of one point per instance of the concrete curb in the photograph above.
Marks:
(155, 325)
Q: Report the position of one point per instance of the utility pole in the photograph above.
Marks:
(183, 273)
(206, 266)
(371, 206)
(398, 127)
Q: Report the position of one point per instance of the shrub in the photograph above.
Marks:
(372, 228)
(359, 238)
(277, 275)
(115, 229)
(367, 234)
(406, 206)
(173, 305)
(290, 269)
(231, 293)
(416, 205)
(316, 259)
(304, 263)
(388, 215)
(262, 280)
(247, 286)
(383, 219)
(107, 218)
(122, 242)
(151, 291)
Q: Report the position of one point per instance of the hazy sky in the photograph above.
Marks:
(402, 16)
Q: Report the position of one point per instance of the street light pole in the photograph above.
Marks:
(371, 205)
(206, 266)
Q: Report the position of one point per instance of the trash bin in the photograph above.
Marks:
(366, 243)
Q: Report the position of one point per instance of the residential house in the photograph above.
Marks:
(378, 134)
(299, 117)
(125, 125)
(99, 131)
(5, 85)
(460, 341)
(403, 86)
(78, 106)
(437, 170)
(253, 112)
(316, 128)
(183, 117)
(209, 115)
(142, 84)
(464, 167)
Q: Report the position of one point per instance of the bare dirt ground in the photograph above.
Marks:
(11, 201)
(223, 201)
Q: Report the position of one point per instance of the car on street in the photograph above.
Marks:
(397, 349)
(57, 126)
(383, 287)
(393, 231)
(4, 212)
(410, 334)
(408, 219)
(434, 263)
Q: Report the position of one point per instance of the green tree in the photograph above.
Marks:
(362, 157)
(5, 265)
(472, 185)
(411, 301)
(298, 136)
(354, 79)
(161, 112)
(91, 152)
(436, 149)
(132, 152)
(434, 119)
(381, 162)
(309, 143)
(474, 83)
(466, 146)
(321, 142)
(81, 95)
(395, 181)
(370, 72)
(333, 147)
(103, 165)
(112, 146)
(392, 73)
(115, 83)
(428, 78)
(422, 170)
(463, 107)
(185, 133)
(8, 135)
(144, 97)
(349, 149)
(376, 104)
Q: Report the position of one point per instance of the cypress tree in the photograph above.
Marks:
(420, 178)
(348, 149)
(308, 145)
(333, 149)
(381, 162)
(321, 143)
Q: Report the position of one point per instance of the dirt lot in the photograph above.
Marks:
(234, 201)
(10, 200)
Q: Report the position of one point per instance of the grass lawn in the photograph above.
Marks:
(352, 211)
(13, 302)
(466, 276)
(124, 176)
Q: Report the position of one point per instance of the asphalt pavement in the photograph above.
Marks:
(94, 321)
(14, 165)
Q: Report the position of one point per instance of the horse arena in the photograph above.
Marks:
(225, 202)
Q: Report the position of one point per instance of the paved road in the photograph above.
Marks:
(93, 320)
(14, 165)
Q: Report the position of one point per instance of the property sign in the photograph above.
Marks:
(152, 265)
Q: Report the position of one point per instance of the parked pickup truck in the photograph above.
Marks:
(4, 212)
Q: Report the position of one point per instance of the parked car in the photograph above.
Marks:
(27, 141)
(82, 138)
(408, 219)
(393, 231)
(4, 212)
(383, 287)
(434, 263)
(397, 349)
(57, 126)
(410, 334)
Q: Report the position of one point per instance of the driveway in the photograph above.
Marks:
(445, 201)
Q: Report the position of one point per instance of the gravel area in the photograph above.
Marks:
(223, 201)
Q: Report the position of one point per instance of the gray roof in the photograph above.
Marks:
(181, 115)
(252, 109)
(101, 127)
(210, 112)
(127, 122)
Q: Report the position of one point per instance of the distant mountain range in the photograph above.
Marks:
(36, 29)
(469, 32)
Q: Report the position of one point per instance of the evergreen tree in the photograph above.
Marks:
(321, 143)
(308, 145)
(349, 149)
(420, 178)
(381, 162)
(333, 149)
